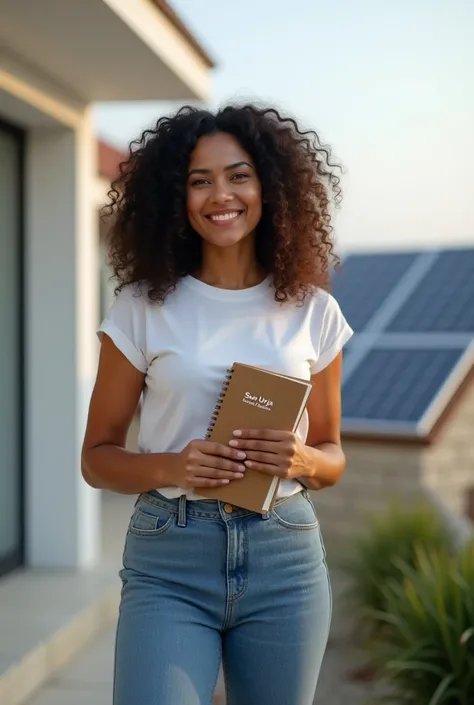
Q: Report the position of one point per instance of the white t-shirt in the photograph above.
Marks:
(185, 346)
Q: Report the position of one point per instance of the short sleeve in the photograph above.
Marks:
(330, 334)
(125, 324)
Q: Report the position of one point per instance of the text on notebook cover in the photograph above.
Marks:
(259, 402)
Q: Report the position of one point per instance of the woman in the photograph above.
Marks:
(221, 244)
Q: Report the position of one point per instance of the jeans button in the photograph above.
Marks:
(228, 508)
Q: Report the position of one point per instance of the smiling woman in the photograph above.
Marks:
(221, 246)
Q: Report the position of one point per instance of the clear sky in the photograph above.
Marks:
(389, 84)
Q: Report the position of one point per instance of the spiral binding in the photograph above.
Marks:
(220, 400)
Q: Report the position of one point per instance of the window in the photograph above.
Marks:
(11, 348)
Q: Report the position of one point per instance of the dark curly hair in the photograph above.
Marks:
(151, 240)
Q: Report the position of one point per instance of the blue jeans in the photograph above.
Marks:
(204, 580)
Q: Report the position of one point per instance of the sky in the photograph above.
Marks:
(389, 85)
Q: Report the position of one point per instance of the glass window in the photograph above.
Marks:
(10, 349)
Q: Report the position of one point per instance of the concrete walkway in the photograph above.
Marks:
(88, 680)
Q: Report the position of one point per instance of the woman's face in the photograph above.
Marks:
(224, 200)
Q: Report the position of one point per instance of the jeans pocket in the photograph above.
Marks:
(297, 513)
(149, 520)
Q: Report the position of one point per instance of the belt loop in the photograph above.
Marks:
(182, 511)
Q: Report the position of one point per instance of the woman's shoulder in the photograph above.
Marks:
(134, 301)
(136, 296)
(324, 311)
(319, 301)
(133, 293)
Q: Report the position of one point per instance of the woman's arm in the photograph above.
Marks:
(325, 461)
(105, 462)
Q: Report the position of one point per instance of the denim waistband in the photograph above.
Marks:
(203, 508)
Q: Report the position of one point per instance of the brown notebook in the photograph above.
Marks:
(252, 397)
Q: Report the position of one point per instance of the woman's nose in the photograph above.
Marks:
(222, 192)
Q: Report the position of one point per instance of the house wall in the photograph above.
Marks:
(62, 514)
(447, 469)
(377, 472)
(374, 474)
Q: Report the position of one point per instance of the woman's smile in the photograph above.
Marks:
(224, 218)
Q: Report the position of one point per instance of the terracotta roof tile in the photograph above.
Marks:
(109, 159)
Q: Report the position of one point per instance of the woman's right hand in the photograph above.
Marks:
(208, 464)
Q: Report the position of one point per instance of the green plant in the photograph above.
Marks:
(390, 537)
(425, 646)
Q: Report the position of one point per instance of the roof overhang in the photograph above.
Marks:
(106, 50)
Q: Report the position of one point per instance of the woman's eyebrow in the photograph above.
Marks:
(227, 168)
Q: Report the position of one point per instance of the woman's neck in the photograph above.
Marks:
(230, 267)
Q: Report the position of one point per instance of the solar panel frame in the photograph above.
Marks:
(447, 390)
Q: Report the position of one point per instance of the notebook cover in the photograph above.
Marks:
(255, 398)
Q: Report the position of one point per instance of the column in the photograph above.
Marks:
(63, 513)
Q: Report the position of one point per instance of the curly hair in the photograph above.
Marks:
(151, 240)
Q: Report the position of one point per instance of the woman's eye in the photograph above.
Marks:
(240, 176)
(199, 182)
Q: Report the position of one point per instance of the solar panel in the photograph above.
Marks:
(443, 300)
(413, 314)
(396, 385)
(364, 282)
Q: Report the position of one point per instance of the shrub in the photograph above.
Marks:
(391, 538)
(425, 645)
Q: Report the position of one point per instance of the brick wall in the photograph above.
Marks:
(448, 465)
(376, 472)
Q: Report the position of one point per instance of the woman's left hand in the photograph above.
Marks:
(279, 453)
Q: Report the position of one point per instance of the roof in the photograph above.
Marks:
(175, 20)
(412, 354)
(109, 159)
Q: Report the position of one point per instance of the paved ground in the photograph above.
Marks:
(88, 680)
(335, 686)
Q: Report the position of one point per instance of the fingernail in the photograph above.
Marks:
(242, 468)
(234, 444)
(225, 482)
(248, 463)
(237, 433)
(239, 474)
(241, 455)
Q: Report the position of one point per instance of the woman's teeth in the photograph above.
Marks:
(225, 216)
